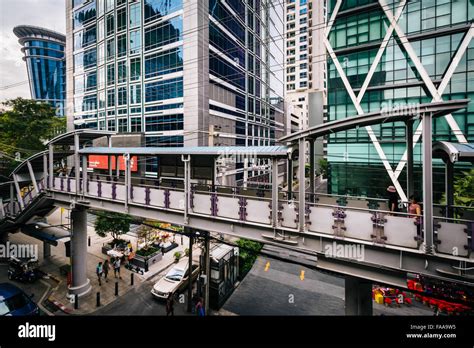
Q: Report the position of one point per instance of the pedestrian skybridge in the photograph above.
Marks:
(186, 191)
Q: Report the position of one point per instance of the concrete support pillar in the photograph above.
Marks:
(45, 171)
(84, 175)
(80, 283)
(187, 185)
(427, 183)
(358, 296)
(190, 232)
(46, 250)
(409, 140)
(289, 179)
(449, 189)
(77, 162)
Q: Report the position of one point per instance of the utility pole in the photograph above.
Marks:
(207, 262)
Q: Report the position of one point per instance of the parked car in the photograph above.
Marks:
(14, 302)
(175, 280)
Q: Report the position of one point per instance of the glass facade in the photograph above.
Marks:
(435, 30)
(130, 57)
(45, 61)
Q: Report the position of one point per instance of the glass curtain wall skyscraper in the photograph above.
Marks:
(389, 54)
(184, 72)
(45, 63)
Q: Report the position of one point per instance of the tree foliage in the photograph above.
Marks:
(248, 251)
(114, 223)
(464, 189)
(25, 126)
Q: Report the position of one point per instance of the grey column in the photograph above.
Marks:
(12, 199)
(84, 175)
(449, 189)
(302, 184)
(427, 183)
(275, 192)
(358, 296)
(409, 140)
(117, 165)
(45, 171)
(80, 283)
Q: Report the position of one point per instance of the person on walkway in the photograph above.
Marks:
(98, 271)
(170, 305)
(200, 308)
(117, 267)
(392, 199)
(414, 209)
(105, 270)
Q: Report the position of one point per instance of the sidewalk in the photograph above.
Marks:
(87, 304)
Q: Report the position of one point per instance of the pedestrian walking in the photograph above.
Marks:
(392, 199)
(98, 271)
(170, 305)
(414, 209)
(117, 267)
(200, 308)
(105, 270)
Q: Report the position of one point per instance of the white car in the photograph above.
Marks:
(175, 280)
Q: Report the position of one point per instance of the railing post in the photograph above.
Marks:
(427, 183)
(84, 174)
(302, 184)
(77, 163)
(51, 166)
(45, 171)
(187, 187)
(274, 192)
(449, 192)
(109, 157)
(126, 158)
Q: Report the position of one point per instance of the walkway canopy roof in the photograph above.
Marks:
(403, 114)
(454, 152)
(36, 161)
(85, 135)
(210, 151)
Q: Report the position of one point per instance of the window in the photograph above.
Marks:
(121, 96)
(101, 100)
(135, 41)
(121, 45)
(85, 59)
(164, 123)
(100, 54)
(110, 24)
(121, 19)
(100, 30)
(135, 15)
(164, 62)
(135, 94)
(136, 125)
(167, 89)
(122, 125)
(110, 74)
(155, 9)
(110, 98)
(121, 71)
(110, 49)
(109, 4)
(84, 15)
(101, 78)
(135, 69)
(164, 33)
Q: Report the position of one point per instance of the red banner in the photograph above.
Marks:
(102, 162)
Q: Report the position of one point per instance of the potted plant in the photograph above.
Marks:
(177, 256)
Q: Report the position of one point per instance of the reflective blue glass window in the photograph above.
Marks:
(164, 62)
(229, 73)
(158, 8)
(164, 33)
(167, 89)
(225, 18)
(164, 123)
(84, 15)
(228, 46)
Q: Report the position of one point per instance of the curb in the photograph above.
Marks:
(60, 306)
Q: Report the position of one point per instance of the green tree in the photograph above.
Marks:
(323, 167)
(464, 189)
(248, 251)
(114, 223)
(25, 126)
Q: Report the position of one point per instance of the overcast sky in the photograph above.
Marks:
(44, 13)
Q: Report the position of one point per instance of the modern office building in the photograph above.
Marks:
(389, 54)
(305, 54)
(45, 63)
(184, 72)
